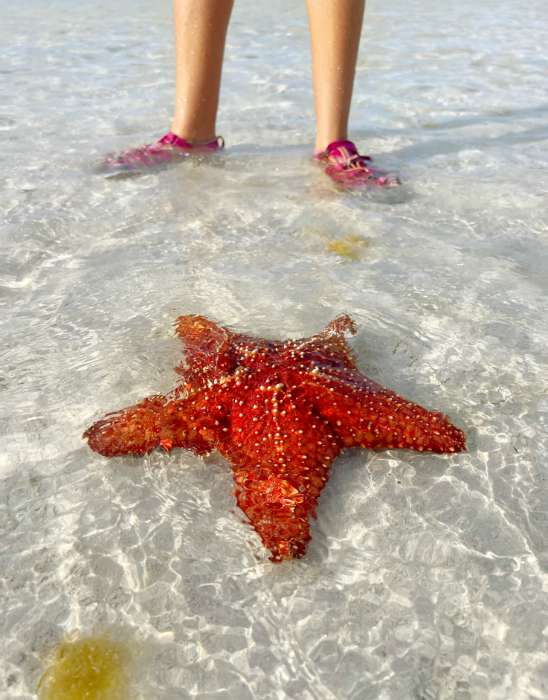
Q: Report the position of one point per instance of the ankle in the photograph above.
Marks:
(323, 141)
(197, 137)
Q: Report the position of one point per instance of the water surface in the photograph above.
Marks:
(427, 576)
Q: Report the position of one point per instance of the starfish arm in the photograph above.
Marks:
(365, 414)
(331, 341)
(328, 347)
(199, 334)
(281, 453)
(157, 421)
(207, 348)
(133, 430)
(339, 326)
(278, 509)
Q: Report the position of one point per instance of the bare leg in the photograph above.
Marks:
(200, 33)
(335, 28)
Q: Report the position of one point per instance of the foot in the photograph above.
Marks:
(169, 148)
(346, 167)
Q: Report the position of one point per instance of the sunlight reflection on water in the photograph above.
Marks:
(427, 576)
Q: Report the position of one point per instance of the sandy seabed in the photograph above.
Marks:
(427, 576)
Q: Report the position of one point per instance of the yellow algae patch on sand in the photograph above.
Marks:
(351, 247)
(92, 668)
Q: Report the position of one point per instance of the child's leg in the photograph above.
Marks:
(200, 32)
(335, 27)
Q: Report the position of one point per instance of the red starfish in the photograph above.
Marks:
(280, 412)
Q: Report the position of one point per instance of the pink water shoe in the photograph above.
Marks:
(167, 149)
(346, 167)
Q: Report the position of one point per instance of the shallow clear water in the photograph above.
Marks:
(427, 576)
